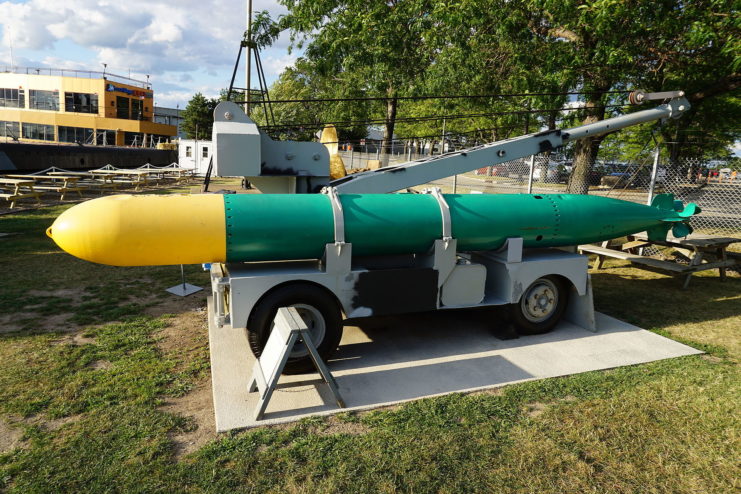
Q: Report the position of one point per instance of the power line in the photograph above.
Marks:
(450, 96)
(424, 118)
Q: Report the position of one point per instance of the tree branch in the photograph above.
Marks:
(725, 84)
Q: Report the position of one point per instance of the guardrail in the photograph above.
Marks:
(84, 74)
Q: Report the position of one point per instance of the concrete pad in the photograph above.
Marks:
(390, 360)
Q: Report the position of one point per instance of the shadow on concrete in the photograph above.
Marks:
(442, 334)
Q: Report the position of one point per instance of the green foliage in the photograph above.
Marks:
(198, 117)
(400, 48)
(303, 81)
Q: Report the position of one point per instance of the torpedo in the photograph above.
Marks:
(151, 230)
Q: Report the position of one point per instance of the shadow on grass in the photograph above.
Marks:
(655, 301)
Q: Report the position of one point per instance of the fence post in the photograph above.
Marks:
(654, 174)
(530, 176)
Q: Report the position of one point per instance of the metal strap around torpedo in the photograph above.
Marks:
(444, 212)
(339, 218)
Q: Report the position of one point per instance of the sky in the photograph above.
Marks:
(185, 46)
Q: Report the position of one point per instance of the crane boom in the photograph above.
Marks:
(413, 173)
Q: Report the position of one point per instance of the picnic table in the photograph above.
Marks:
(697, 248)
(88, 180)
(21, 188)
(173, 172)
(54, 183)
(132, 177)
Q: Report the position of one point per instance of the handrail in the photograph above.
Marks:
(86, 74)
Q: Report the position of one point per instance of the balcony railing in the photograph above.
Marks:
(83, 74)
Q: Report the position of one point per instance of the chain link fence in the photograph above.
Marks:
(714, 185)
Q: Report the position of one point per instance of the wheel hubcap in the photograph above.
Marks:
(540, 301)
(317, 329)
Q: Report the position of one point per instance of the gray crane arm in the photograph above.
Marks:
(413, 173)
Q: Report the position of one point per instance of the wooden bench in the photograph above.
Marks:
(60, 189)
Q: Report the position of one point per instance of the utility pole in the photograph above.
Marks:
(248, 67)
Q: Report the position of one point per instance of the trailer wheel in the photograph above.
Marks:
(320, 313)
(541, 306)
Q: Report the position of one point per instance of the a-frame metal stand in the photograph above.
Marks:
(267, 369)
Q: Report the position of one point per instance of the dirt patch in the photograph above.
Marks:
(335, 426)
(712, 358)
(535, 409)
(489, 392)
(100, 365)
(56, 424)
(77, 338)
(198, 406)
(10, 437)
(186, 331)
(173, 304)
(10, 323)
(72, 294)
(49, 424)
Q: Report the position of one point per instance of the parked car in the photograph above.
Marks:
(554, 173)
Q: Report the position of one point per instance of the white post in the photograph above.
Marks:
(530, 177)
(442, 142)
(654, 173)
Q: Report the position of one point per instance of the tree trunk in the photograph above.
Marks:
(586, 148)
(388, 133)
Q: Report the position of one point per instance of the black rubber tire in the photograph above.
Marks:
(527, 327)
(260, 322)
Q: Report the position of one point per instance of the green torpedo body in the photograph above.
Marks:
(277, 227)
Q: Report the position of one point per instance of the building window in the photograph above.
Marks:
(205, 152)
(105, 138)
(136, 109)
(75, 134)
(43, 100)
(9, 129)
(38, 132)
(188, 152)
(133, 139)
(122, 107)
(12, 98)
(157, 139)
(81, 102)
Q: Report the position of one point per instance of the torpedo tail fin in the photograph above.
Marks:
(676, 219)
(659, 232)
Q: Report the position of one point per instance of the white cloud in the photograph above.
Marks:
(178, 42)
(274, 65)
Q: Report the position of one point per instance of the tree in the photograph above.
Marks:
(599, 46)
(199, 116)
(378, 48)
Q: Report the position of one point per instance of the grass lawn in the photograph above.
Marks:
(104, 383)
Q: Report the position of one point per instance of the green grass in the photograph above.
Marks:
(34, 270)
(668, 426)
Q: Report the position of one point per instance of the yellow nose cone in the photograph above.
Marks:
(146, 230)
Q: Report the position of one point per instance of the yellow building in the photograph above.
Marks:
(48, 105)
